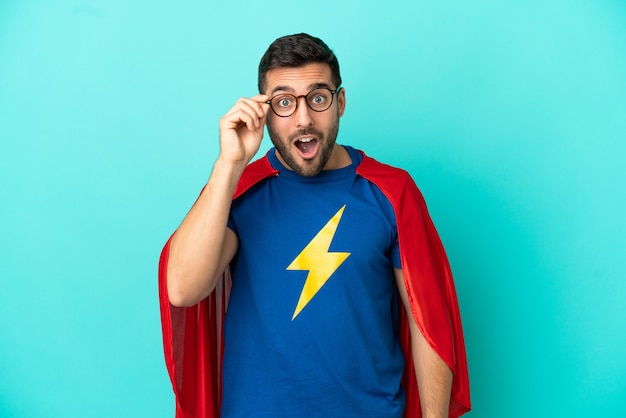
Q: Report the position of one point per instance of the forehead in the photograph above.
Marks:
(299, 79)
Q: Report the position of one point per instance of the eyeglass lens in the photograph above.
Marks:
(318, 100)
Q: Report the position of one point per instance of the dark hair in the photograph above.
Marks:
(296, 51)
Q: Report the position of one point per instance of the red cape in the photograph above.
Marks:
(192, 336)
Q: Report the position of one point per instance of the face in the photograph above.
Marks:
(305, 141)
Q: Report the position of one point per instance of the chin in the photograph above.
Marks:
(308, 169)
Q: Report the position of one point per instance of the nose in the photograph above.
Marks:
(302, 116)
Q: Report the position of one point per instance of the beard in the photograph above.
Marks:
(308, 168)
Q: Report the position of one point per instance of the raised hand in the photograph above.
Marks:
(241, 129)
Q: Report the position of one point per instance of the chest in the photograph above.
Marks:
(321, 243)
(278, 220)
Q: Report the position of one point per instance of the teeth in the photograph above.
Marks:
(305, 139)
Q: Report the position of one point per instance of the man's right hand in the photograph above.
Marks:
(241, 130)
(203, 246)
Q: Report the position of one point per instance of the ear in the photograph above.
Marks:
(341, 101)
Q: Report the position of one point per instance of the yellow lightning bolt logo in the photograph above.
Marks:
(320, 263)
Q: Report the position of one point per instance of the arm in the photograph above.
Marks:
(202, 246)
(434, 377)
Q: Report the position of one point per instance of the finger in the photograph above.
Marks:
(255, 106)
(243, 112)
(250, 118)
(263, 104)
(241, 118)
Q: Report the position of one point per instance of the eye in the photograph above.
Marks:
(318, 99)
(283, 101)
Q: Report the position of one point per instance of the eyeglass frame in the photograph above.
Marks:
(332, 98)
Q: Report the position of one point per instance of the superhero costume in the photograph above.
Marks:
(193, 342)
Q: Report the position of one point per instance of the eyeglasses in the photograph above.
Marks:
(318, 100)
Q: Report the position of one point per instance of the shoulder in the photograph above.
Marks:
(394, 182)
(370, 167)
(253, 174)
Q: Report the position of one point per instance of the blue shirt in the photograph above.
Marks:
(332, 349)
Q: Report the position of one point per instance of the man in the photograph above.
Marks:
(341, 297)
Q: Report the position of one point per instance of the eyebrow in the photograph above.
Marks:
(310, 87)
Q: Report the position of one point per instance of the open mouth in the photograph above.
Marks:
(307, 147)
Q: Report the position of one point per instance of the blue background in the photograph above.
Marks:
(510, 115)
